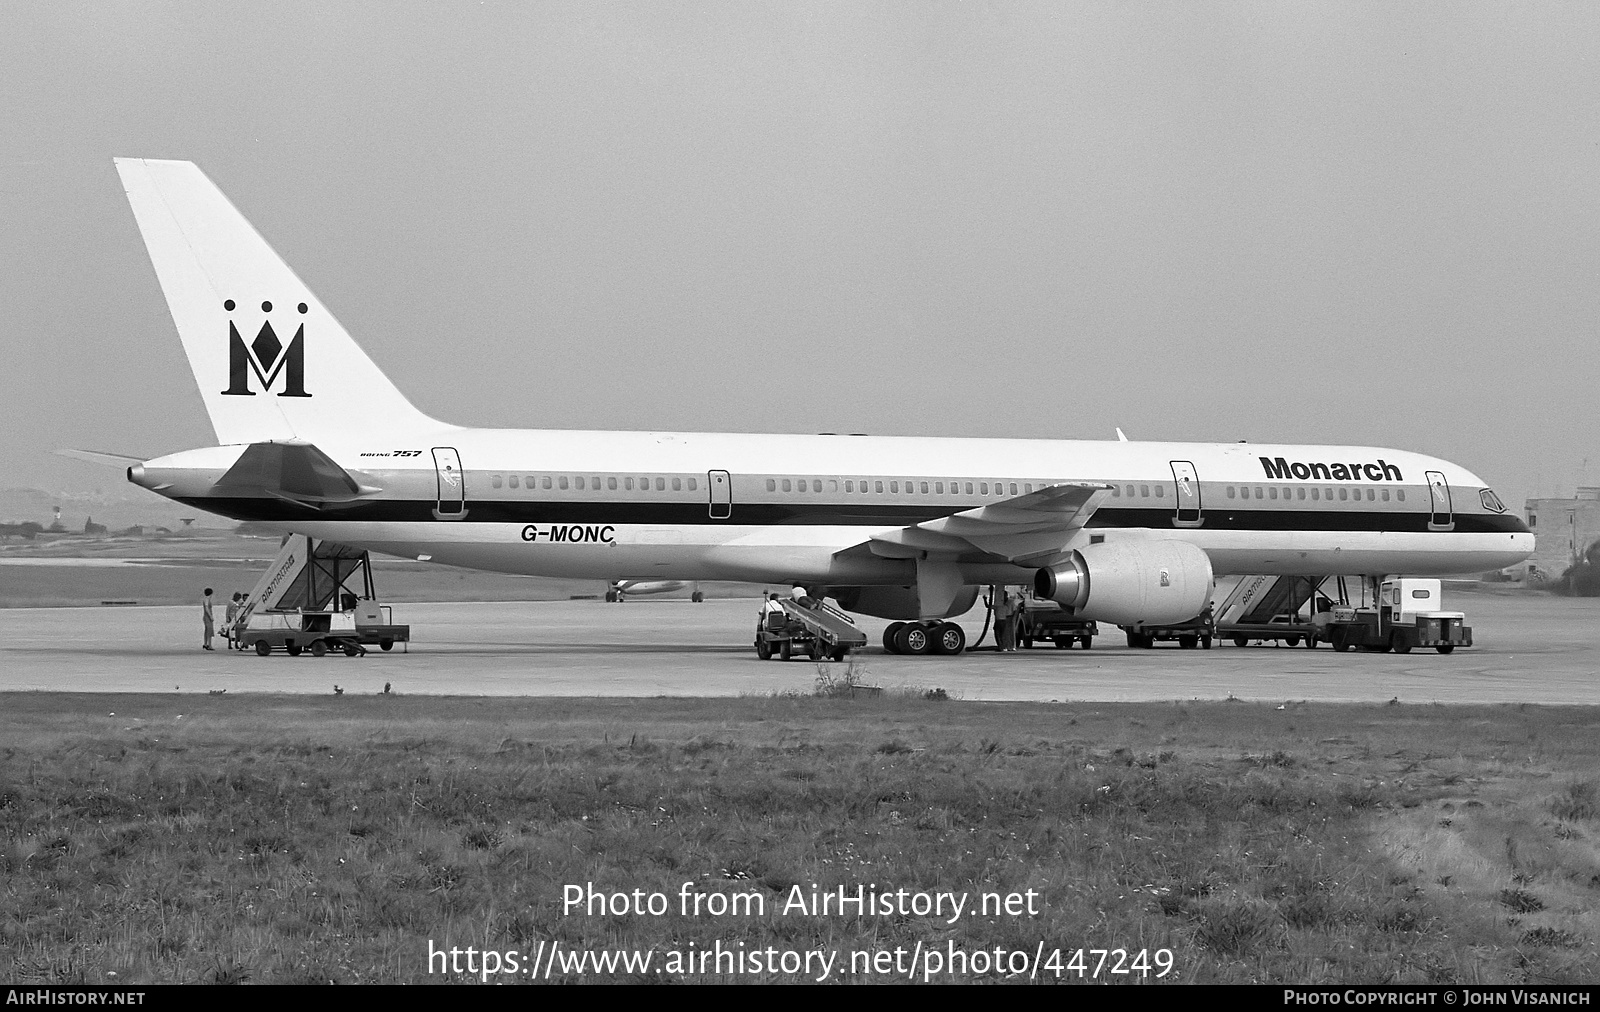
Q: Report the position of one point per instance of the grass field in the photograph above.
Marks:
(276, 839)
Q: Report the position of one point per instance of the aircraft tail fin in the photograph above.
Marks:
(270, 360)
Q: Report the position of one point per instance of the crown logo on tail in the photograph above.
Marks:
(267, 357)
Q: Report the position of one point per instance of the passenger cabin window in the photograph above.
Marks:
(563, 483)
(1230, 491)
(1385, 495)
(786, 486)
(577, 483)
(512, 481)
(1272, 493)
(1344, 494)
(1316, 493)
(1144, 491)
(924, 488)
(1013, 488)
(1161, 490)
(494, 481)
(544, 482)
(772, 484)
(1372, 496)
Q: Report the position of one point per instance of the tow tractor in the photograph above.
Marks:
(1404, 615)
(817, 629)
(304, 602)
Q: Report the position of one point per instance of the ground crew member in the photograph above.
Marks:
(228, 618)
(207, 619)
(1005, 635)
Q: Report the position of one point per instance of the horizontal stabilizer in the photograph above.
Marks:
(117, 460)
(297, 472)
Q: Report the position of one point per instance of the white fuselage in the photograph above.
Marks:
(799, 509)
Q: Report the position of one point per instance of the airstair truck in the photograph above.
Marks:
(1406, 615)
(310, 600)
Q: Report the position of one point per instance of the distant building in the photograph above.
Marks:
(1563, 529)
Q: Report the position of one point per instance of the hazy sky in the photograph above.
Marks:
(1368, 223)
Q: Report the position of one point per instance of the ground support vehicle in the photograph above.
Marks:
(1047, 621)
(1268, 608)
(1197, 632)
(817, 630)
(316, 596)
(1404, 617)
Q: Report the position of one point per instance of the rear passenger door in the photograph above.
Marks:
(721, 489)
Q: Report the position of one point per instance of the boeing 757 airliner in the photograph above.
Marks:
(314, 439)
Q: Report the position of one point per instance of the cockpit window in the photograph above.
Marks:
(1491, 501)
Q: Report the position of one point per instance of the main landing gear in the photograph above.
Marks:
(945, 638)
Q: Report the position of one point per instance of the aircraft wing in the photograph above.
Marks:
(1029, 528)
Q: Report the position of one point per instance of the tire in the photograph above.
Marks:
(1084, 641)
(763, 650)
(1188, 642)
(839, 654)
(1205, 643)
(1293, 641)
(351, 650)
(386, 645)
(1241, 641)
(949, 639)
(1311, 643)
(697, 597)
(611, 597)
(1446, 648)
(1339, 644)
(1398, 642)
(263, 648)
(1133, 640)
(914, 639)
(319, 648)
(814, 650)
(891, 637)
(293, 648)
(785, 650)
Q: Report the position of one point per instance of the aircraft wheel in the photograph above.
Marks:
(785, 650)
(263, 648)
(319, 648)
(386, 645)
(1205, 643)
(293, 648)
(611, 597)
(1188, 642)
(949, 639)
(1446, 648)
(697, 597)
(913, 638)
(1241, 641)
(763, 650)
(891, 637)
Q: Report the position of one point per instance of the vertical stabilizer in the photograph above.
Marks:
(271, 361)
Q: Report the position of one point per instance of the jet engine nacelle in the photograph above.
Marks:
(1132, 583)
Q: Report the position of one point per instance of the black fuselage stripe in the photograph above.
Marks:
(697, 514)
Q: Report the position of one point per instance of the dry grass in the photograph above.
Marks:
(273, 839)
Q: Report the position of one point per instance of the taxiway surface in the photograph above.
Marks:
(1533, 648)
